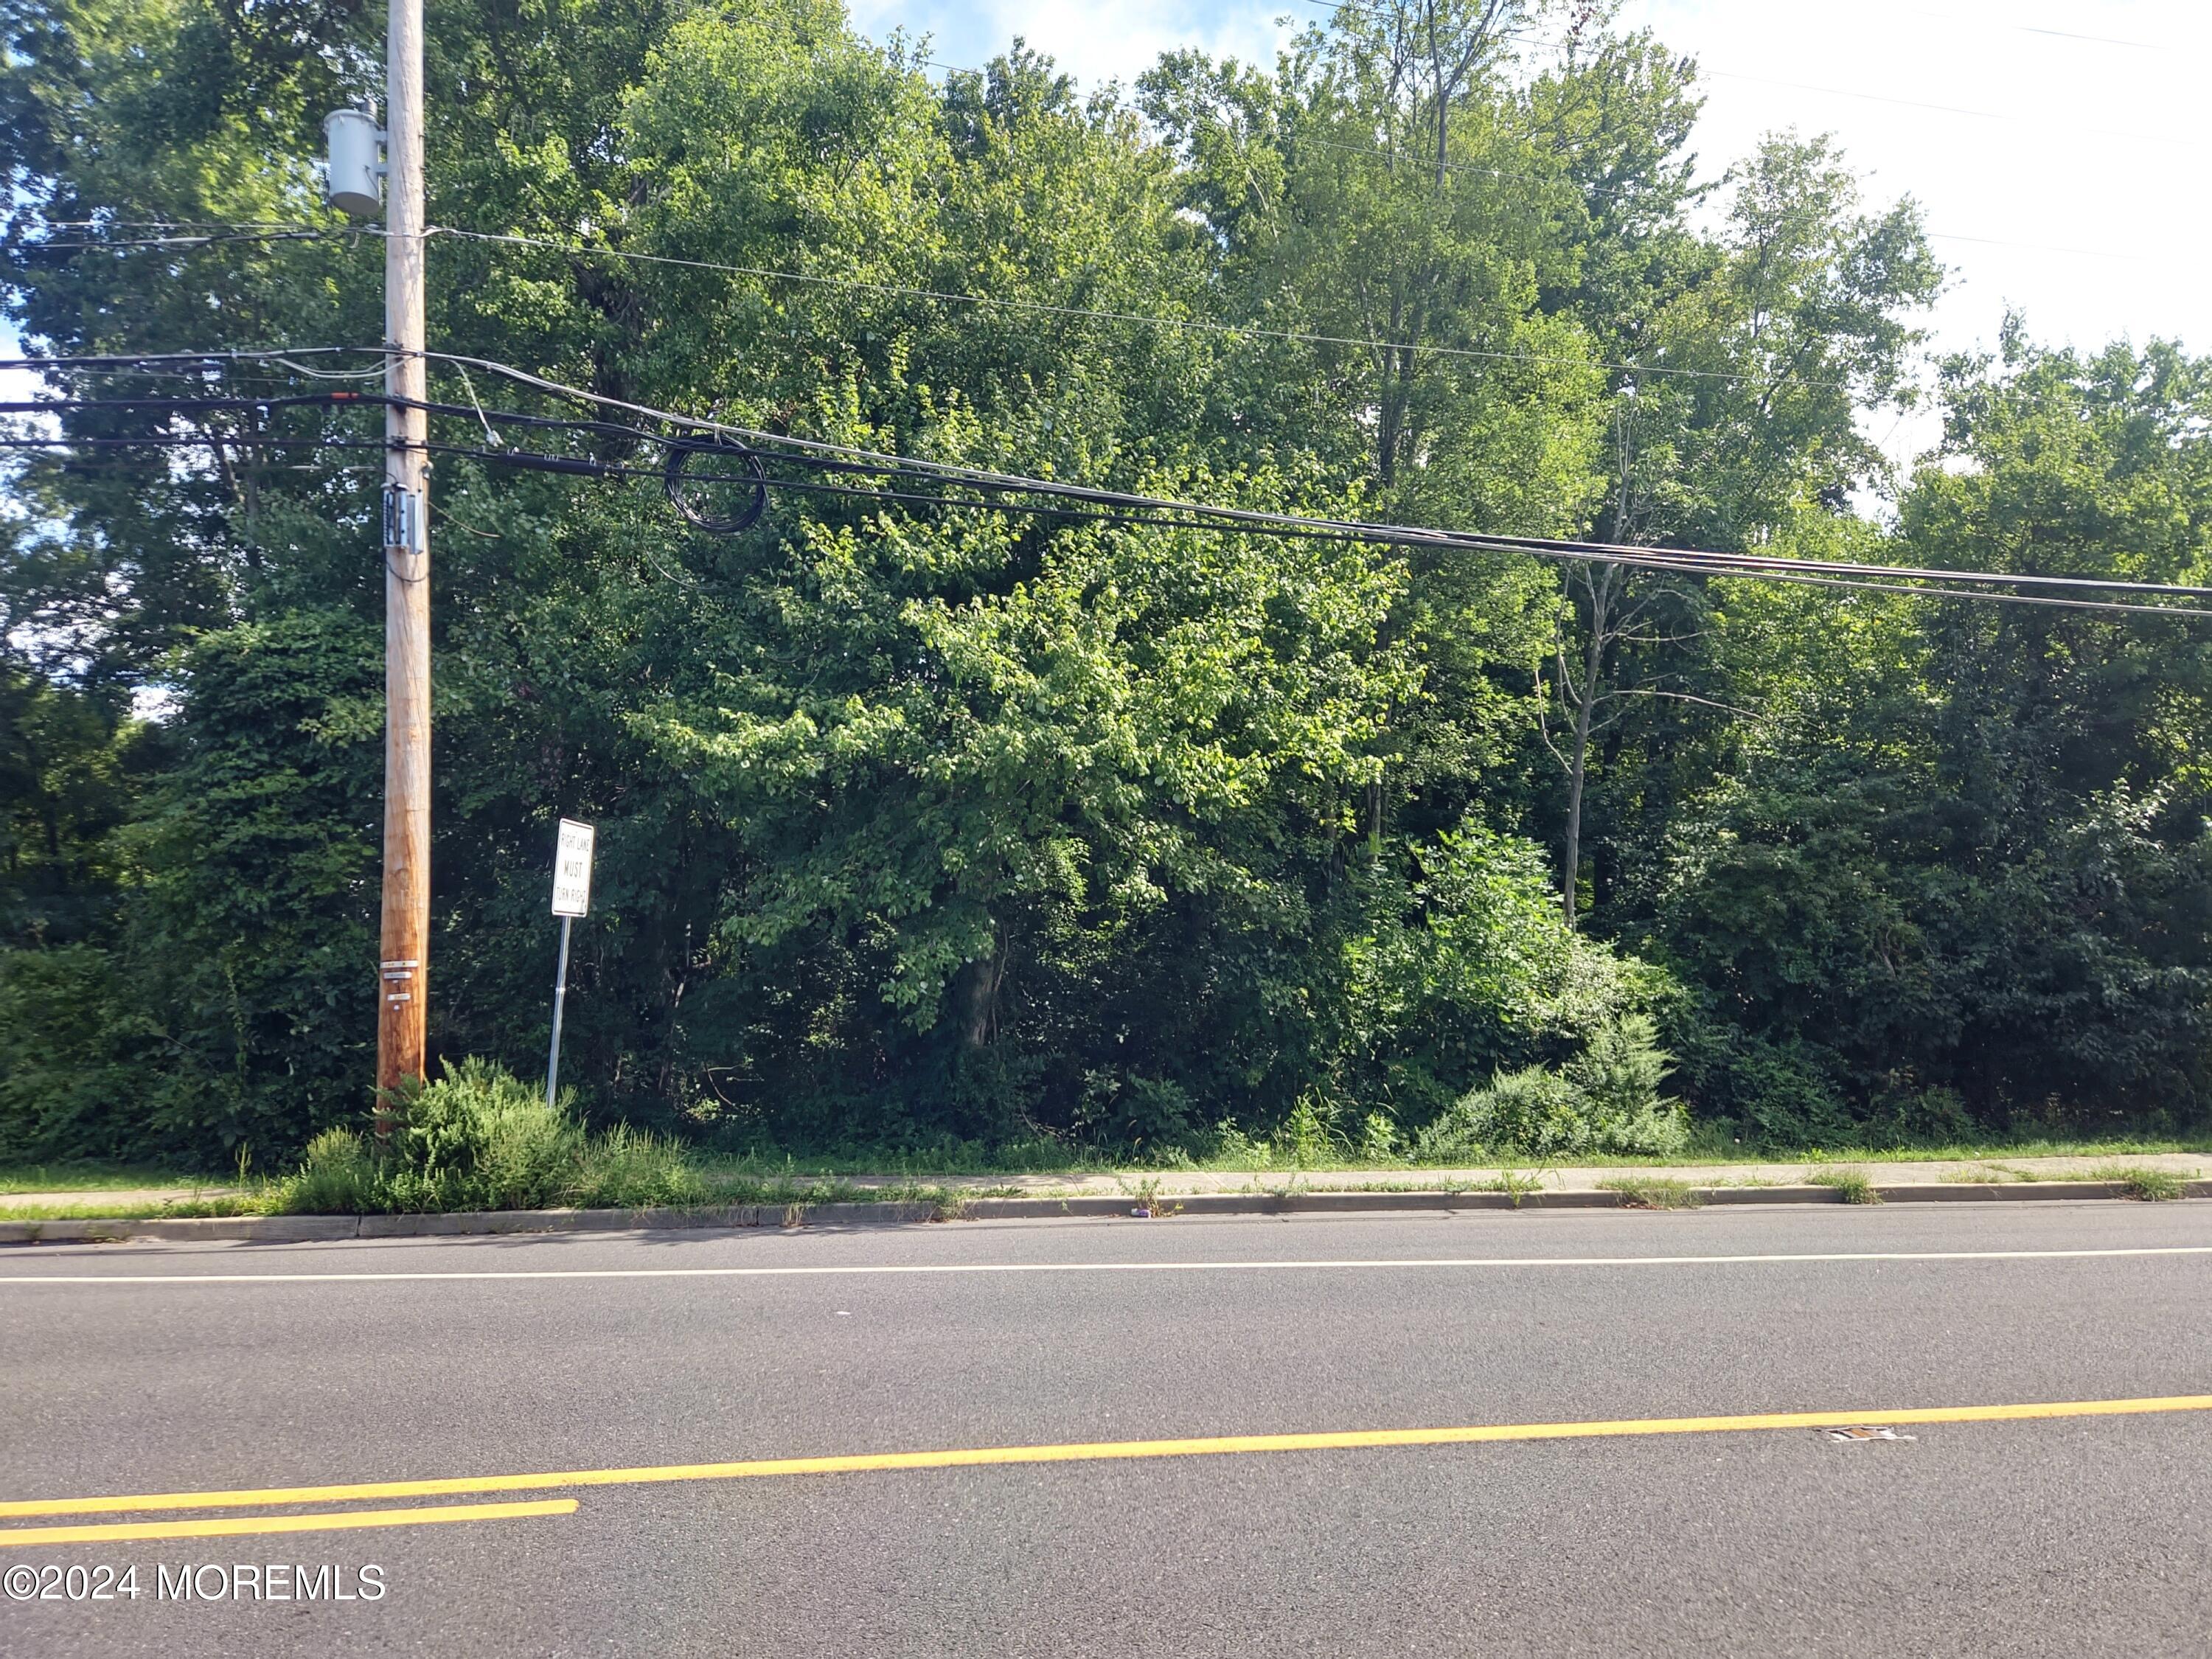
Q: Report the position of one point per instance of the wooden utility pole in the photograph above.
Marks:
(404, 971)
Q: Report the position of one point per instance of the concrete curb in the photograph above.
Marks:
(2000, 1191)
(298, 1229)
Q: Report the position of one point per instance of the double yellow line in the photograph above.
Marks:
(971, 1457)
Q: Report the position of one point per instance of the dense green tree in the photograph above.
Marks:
(1968, 852)
(921, 822)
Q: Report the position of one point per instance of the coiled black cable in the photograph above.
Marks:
(728, 450)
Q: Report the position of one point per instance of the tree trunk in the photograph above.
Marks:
(978, 998)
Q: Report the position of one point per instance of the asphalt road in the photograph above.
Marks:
(2077, 1533)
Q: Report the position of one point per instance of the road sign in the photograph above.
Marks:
(572, 898)
(571, 870)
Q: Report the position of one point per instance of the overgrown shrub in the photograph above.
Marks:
(1147, 1114)
(1378, 1138)
(479, 1138)
(1622, 1070)
(1309, 1134)
(337, 1177)
(1607, 1102)
(1531, 1113)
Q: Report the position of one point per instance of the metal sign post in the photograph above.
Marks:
(572, 898)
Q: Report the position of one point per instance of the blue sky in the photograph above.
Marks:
(2060, 149)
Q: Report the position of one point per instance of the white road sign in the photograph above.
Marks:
(571, 870)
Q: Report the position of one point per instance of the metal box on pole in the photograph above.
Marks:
(353, 178)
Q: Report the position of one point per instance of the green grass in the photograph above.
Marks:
(716, 1190)
(723, 1188)
(280, 1198)
(624, 1168)
(2152, 1185)
(763, 1172)
(1968, 1151)
(100, 1177)
(1852, 1186)
(2142, 1180)
(1655, 1192)
(183, 1209)
(1260, 1158)
(1707, 1146)
(966, 1159)
(1516, 1184)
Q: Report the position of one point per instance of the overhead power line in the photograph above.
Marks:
(2147, 139)
(755, 453)
(1645, 559)
(130, 359)
(950, 297)
(1207, 519)
(1599, 551)
(1090, 314)
(1983, 26)
(203, 235)
(2042, 247)
(196, 239)
(2071, 34)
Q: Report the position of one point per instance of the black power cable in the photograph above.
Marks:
(691, 438)
(1655, 559)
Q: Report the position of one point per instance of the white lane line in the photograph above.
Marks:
(1385, 1264)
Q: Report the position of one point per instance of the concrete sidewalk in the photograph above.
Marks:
(1288, 1196)
(123, 1197)
(1568, 1179)
(1179, 1184)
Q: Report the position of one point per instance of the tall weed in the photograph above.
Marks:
(479, 1138)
